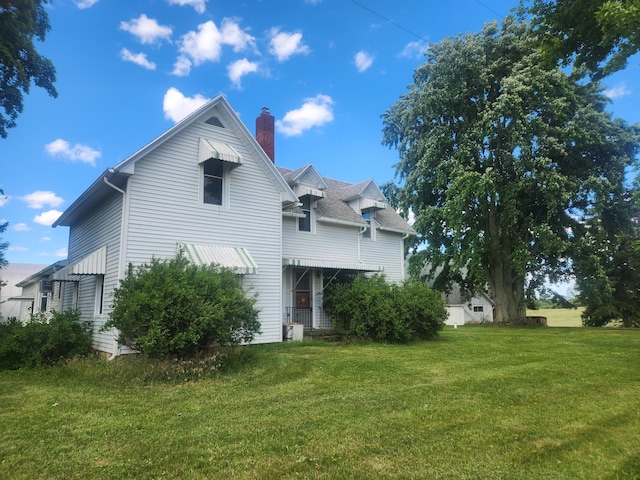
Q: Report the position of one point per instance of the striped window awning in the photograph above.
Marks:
(93, 264)
(210, 149)
(237, 259)
(335, 265)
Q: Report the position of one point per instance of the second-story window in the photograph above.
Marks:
(304, 224)
(213, 181)
(367, 216)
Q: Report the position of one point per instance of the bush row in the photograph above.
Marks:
(372, 308)
(43, 341)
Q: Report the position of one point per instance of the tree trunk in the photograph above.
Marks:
(507, 291)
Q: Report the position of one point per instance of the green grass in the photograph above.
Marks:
(560, 317)
(481, 402)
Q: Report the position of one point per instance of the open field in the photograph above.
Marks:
(560, 317)
(481, 402)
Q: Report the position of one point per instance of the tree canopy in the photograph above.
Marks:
(3, 245)
(597, 34)
(500, 157)
(20, 22)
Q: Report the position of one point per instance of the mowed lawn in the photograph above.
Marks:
(480, 402)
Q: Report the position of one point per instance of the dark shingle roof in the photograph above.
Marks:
(334, 207)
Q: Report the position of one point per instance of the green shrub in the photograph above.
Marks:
(44, 341)
(173, 307)
(371, 308)
(420, 307)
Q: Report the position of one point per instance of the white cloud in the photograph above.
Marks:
(45, 239)
(233, 35)
(363, 60)
(239, 69)
(137, 58)
(182, 67)
(82, 153)
(47, 218)
(82, 4)
(415, 49)
(313, 113)
(176, 106)
(3, 200)
(62, 252)
(40, 198)
(21, 227)
(284, 45)
(146, 29)
(13, 248)
(199, 5)
(206, 44)
(620, 90)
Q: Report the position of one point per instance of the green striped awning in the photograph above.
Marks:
(331, 264)
(211, 149)
(237, 259)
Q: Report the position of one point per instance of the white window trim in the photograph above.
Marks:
(312, 219)
(226, 184)
(99, 295)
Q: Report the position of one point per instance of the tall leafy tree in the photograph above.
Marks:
(499, 158)
(22, 21)
(597, 34)
(3, 245)
(607, 264)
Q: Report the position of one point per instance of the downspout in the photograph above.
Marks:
(364, 229)
(404, 270)
(123, 225)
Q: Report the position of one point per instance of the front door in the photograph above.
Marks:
(302, 298)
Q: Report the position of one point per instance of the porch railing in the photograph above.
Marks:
(305, 317)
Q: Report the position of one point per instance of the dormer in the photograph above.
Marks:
(365, 197)
(306, 181)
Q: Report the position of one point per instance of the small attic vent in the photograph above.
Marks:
(215, 121)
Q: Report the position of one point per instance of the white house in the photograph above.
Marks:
(208, 186)
(477, 309)
(11, 299)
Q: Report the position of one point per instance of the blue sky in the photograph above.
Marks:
(127, 71)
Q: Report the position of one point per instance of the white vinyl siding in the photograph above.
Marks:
(89, 234)
(342, 243)
(166, 209)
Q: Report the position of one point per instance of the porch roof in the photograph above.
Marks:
(22, 298)
(331, 264)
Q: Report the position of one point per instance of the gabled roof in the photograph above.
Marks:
(307, 175)
(44, 273)
(334, 207)
(117, 175)
(366, 189)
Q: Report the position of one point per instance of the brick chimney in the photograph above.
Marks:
(265, 133)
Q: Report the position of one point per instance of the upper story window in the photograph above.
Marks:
(213, 181)
(217, 160)
(304, 224)
(367, 216)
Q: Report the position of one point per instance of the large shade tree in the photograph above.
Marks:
(607, 263)
(22, 22)
(599, 35)
(499, 158)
